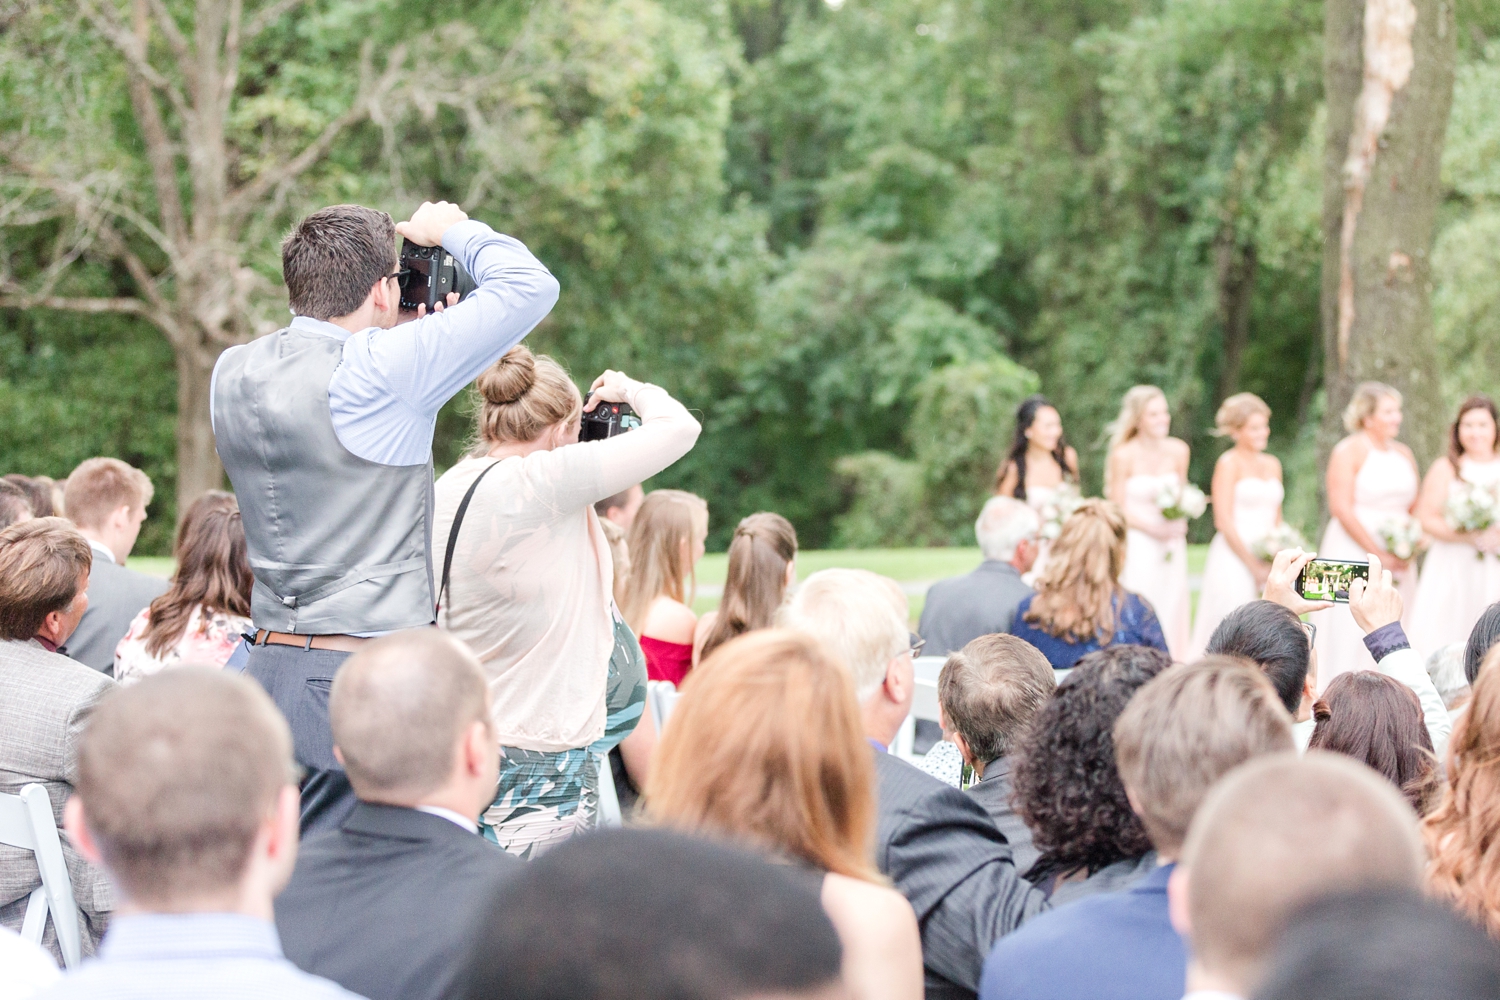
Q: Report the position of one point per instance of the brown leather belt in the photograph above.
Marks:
(341, 643)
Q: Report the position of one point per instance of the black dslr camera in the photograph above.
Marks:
(606, 420)
(428, 274)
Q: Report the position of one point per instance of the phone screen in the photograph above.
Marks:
(1330, 579)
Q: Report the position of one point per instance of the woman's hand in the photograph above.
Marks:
(611, 387)
(1261, 571)
(1281, 583)
(1171, 531)
(1393, 564)
(1375, 603)
(1487, 540)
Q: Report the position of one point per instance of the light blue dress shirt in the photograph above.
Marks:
(190, 956)
(385, 394)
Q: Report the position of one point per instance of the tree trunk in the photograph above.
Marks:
(1388, 78)
(198, 467)
(1234, 270)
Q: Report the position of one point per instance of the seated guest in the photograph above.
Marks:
(15, 504)
(767, 748)
(45, 703)
(1067, 787)
(530, 586)
(1280, 644)
(1381, 944)
(1271, 838)
(652, 915)
(187, 795)
(762, 567)
(1079, 605)
(1182, 732)
(206, 610)
(936, 844)
(1446, 668)
(1484, 635)
(988, 693)
(620, 508)
(1377, 720)
(385, 906)
(1463, 830)
(39, 490)
(983, 601)
(666, 541)
(107, 500)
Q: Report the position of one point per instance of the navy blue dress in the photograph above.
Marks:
(1135, 625)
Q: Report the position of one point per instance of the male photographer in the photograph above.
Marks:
(325, 429)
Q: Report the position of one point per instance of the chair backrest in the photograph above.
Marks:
(663, 695)
(609, 799)
(925, 670)
(26, 822)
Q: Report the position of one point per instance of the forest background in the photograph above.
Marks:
(850, 237)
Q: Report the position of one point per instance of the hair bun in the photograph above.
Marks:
(510, 378)
(1321, 712)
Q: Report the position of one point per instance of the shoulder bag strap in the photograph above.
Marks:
(458, 519)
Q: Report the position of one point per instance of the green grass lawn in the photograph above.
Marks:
(909, 566)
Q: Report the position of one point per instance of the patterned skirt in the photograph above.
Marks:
(545, 797)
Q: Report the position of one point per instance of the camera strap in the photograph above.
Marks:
(458, 519)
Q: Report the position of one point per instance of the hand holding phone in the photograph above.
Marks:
(1375, 603)
(1331, 579)
(1281, 583)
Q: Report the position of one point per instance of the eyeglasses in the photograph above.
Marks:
(917, 644)
(1312, 633)
(401, 276)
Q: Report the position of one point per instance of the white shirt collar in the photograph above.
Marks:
(100, 552)
(450, 816)
(327, 329)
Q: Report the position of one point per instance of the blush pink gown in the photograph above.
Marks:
(1458, 583)
(1226, 582)
(1157, 570)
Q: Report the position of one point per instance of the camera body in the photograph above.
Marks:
(606, 420)
(428, 274)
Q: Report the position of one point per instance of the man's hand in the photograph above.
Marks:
(407, 315)
(611, 387)
(430, 221)
(1377, 604)
(1281, 583)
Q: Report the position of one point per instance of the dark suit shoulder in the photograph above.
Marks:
(907, 788)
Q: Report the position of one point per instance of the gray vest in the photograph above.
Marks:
(338, 544)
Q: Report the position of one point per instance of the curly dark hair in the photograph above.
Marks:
(1066, 786)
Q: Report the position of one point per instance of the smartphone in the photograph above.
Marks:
(1330, 579)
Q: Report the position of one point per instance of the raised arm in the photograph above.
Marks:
(1343, 466)
(1376, 607)
(427, 361)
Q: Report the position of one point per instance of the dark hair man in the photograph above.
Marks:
(385, 906)
(45, 702)
(187, 795)
(325, 429)
(652, 915)
(15, 504)
(107, 499)
(989, 691)
(1273, 837)
(1180, 733)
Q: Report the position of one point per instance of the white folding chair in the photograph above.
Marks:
(924, 704)
(26, 822)
(609, 800)
(663, 695)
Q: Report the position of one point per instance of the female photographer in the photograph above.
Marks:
(531, 582)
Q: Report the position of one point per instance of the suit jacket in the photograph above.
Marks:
(1113, 946)
(386, 905)
(960, 609)
(116, 596)
(947, 858)
(45, 701)
(993, 792)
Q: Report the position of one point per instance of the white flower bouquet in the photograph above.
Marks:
(1065, 500)
(1181, 502)
(1401, 536)
(1281, 537)
(1471, 507)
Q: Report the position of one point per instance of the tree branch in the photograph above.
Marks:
(130, 306)
(158, 143)
(267, 16)
(171, 32)
(126, 43)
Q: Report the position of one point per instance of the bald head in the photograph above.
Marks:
(400, 708)
(1276, 834)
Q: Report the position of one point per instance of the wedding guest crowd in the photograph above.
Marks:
(361, 742)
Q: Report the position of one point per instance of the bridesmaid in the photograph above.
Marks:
(1040, 461)
(1372, 478)
(1247, 495)
(1142, 459)
(1461, 576)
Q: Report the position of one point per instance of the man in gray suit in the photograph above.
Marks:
(936, 844)
(988, 692)
(107, 500)
(45, 700)
(960, 609)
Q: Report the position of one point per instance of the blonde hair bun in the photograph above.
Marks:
(510, 378)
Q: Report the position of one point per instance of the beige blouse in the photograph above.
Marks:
(532, 579)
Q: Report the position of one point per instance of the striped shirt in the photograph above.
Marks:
(188, 956)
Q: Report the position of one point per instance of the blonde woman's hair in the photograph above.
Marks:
(1128, 424)
(1236, 411)
(1367, 396)
(523, 394)
(660, 542)
(1077, 593)
(1463, 832)
(766, 747)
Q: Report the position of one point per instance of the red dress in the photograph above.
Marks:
(667, 661)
